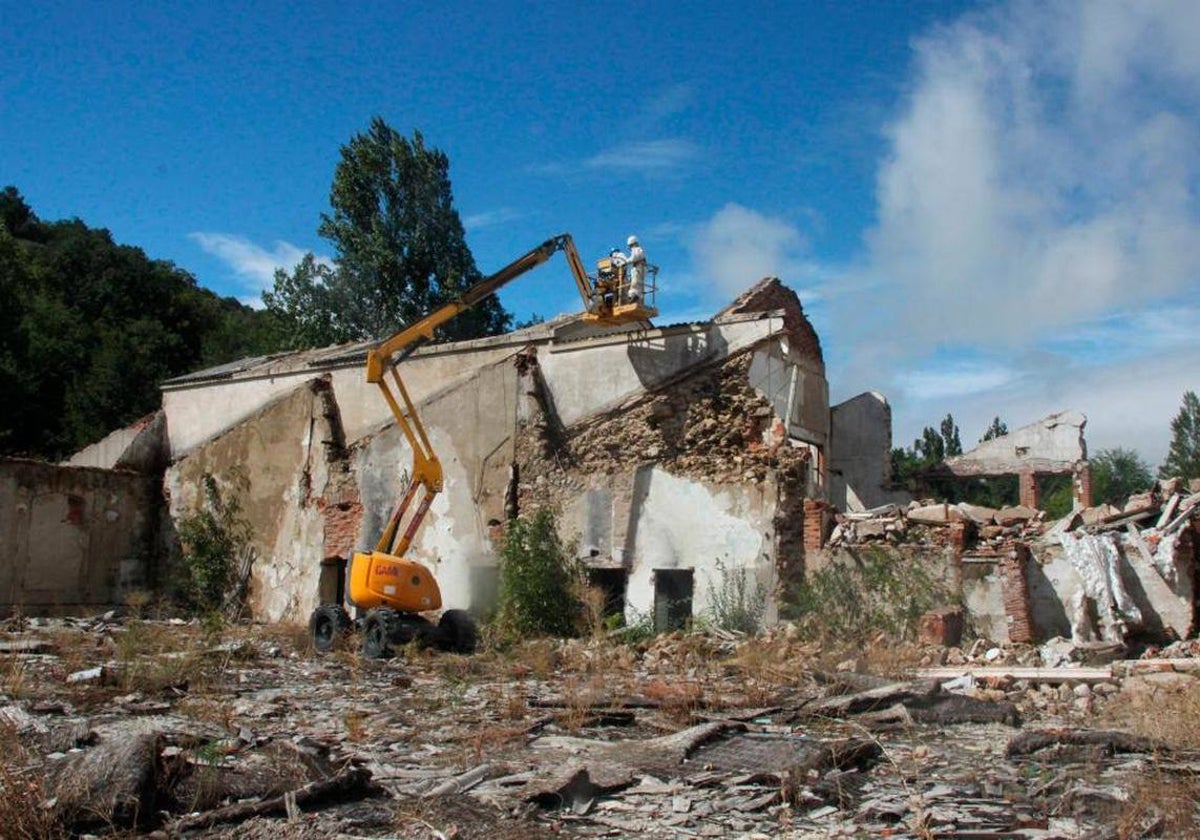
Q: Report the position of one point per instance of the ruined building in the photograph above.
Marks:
(673, 456)
(669, 453)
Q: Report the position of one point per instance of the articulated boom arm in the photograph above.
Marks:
(382, 370)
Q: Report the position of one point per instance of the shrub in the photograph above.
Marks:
(735, 601)
(216, 546)
(854, 601)
(539, 581)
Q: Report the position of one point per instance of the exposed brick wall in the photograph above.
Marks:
(1015, 588)
(1029, 495)
(342, 522)
(818, 515)
(770, 294)
(1082, 485)
(708, 426)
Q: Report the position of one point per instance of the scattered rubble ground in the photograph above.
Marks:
(129, 726)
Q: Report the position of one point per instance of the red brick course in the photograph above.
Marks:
(1015, 587)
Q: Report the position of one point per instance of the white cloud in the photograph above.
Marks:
(1036, 180)
(738, 246)
(646, 157)
(251, 262)
(953, 380)
(490, 218)
(1038, 208)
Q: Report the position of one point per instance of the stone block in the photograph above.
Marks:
(1015, 515)
(978, 514)
(930, 514)
(942, 627)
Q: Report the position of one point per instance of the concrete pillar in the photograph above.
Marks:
(1029, 490)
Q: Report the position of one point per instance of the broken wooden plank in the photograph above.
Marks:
(1168, 511)
(1027, 743)
(1135, 536)
(1044, 675)
(352, 783)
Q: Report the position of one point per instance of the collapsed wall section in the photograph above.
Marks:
(689, 481)
(73, 538)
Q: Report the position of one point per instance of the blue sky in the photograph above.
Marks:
(986, 208)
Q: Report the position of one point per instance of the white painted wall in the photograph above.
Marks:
(686, 524)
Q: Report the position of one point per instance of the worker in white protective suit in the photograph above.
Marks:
(635, 271)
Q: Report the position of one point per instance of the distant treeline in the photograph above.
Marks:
(90, 328)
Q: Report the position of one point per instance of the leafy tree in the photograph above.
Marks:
(927, 451)
(1183, 457)
(310, 305)
(952, 444)
(1117, 474)
(998, 429)
(89, 328)
(539, 580)
(401, 249)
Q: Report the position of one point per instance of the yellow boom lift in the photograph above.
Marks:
(389, 591)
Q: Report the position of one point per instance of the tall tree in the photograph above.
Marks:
(998, 429)
(950, 436)
(401, 249)
(1183, 457)
(1117, 474)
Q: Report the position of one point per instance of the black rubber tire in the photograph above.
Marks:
(377, 634)
(457, 632)
(326, 626)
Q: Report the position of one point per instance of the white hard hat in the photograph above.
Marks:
(631, 241)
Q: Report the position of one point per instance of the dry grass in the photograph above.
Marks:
(678, 700)
(22, 793)
(1168, 716)
(1161, 805)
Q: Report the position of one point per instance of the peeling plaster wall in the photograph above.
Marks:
(198, 411)
(689, 477)
(277, 463)
(470, 426)
(140, 447)
(1052, 444)
(686, 524)
(73, 538)
(599, 374)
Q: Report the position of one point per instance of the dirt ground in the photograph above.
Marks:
(131, 727)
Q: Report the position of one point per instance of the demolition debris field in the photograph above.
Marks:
(130, 727)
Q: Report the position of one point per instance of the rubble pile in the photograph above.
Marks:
(1165, 509)
(158, 727)
(712, 426)
(927, 523)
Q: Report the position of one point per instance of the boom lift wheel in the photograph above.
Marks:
(456, 631)
(377, 634)
(327, 624)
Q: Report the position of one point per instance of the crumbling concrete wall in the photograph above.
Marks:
(139, 447)
(860, 454)
(73, 538)
(694, 477)
(1054, 445)
(282, 464)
